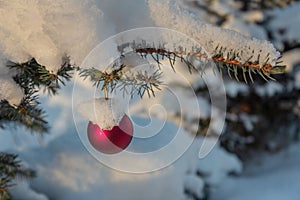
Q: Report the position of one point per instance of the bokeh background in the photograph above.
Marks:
(255, 157)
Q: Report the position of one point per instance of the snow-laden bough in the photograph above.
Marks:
(225, 47)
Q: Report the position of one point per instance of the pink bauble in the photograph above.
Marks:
(111, 141)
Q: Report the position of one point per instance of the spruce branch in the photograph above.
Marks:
(31, 77)
(107, 79)
(32, 74)
(11, 168)
(27, 113)
(122, 77)
(143, 81)
(229, 61)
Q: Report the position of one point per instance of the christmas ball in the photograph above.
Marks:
(111, 141)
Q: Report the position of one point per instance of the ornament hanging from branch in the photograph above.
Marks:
(111, 141)
(109, 129)
(137, 69)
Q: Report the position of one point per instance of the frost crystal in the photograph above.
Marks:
(105, 113)
(169, 14)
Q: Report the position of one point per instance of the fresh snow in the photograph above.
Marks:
(48, 30)
(10, 91)
(233, 89)
(285, 25)
(106, 113)
(67, 171)
(169, 14)
(269, 89)
(23, 190)
(271, 177)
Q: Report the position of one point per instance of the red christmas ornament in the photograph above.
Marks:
(111, 141)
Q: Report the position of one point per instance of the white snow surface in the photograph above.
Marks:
(271, 177)
(67, 171)
(48, 30)
(10, 91)
(285, 25)
(297, 83)
(291, 58)
(106, 113)
(169, 14)
(233, 88)
(269, 89)
(194, 185)
(23, 190)
(213, 175)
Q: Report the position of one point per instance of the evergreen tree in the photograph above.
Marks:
(32, 77)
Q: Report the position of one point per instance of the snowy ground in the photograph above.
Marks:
(269, 178)
(67, 171)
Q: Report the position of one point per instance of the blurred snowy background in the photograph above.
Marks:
(256, 156)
